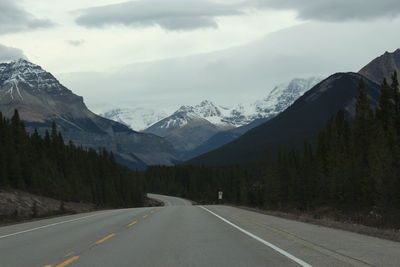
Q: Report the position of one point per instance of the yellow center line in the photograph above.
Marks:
(48, 265)
(105, 239)
(152, 211)
(65, 263)
(145, 216)
(132, 223)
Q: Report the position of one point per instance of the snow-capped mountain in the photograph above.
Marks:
(157, 122)
(36, 93)
(255, 114)
(137, 119)
(205, 111)
(189, 126)
(281, 97)
(14, 72)
(40, 99)
(192, 126)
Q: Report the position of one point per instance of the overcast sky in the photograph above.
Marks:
(164, 53)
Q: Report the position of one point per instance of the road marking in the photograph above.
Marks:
(132, 223)
(310, 245)
(50, 225)
(152, 211)
(65, 263)
(145, 216)
(105, 239)
(277, 249)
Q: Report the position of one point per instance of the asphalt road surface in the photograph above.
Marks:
(180, 234)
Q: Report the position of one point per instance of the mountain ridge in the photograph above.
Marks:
(382, 67)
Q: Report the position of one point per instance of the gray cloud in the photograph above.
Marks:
(14, 19)
(240, 74)
(334, 10)
(9, 53)
(76, 42)
(170, 15)
(194, 14)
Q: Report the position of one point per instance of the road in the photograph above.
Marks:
(180, 234)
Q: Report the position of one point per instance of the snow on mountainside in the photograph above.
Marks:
(206, 114)
(23, 71)
(137, 119)
(205, 110)
(281, 97)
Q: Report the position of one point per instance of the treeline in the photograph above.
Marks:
(352, 172)
(47, 166)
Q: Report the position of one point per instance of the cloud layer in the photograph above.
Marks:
(15, 19)
(9, 53)
(335, 10)
(240, 74)
(195, 14)
(171, 15)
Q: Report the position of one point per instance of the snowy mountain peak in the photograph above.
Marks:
(283, 95)
(137, 119)
(30, 77)
(207, 109)
(23, 64)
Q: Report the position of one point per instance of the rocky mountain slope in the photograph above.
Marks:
(382, 67)
(41, 99)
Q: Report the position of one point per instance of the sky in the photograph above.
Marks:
(161, 54)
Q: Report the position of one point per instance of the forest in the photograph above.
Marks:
(352, 171)
(47, 166)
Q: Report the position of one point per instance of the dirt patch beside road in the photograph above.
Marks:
(18, 206)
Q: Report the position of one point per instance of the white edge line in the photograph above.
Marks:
(50, 225)
(279, 250)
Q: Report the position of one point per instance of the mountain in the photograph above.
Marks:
(41, 99)
(280, 98)
(205, 111)
(157, 122)
(137, 119)
(194, 130)
(189, 126)
(382, 67)
(185, 115)
(304, 119)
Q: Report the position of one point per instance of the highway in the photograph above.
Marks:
(180, 234)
